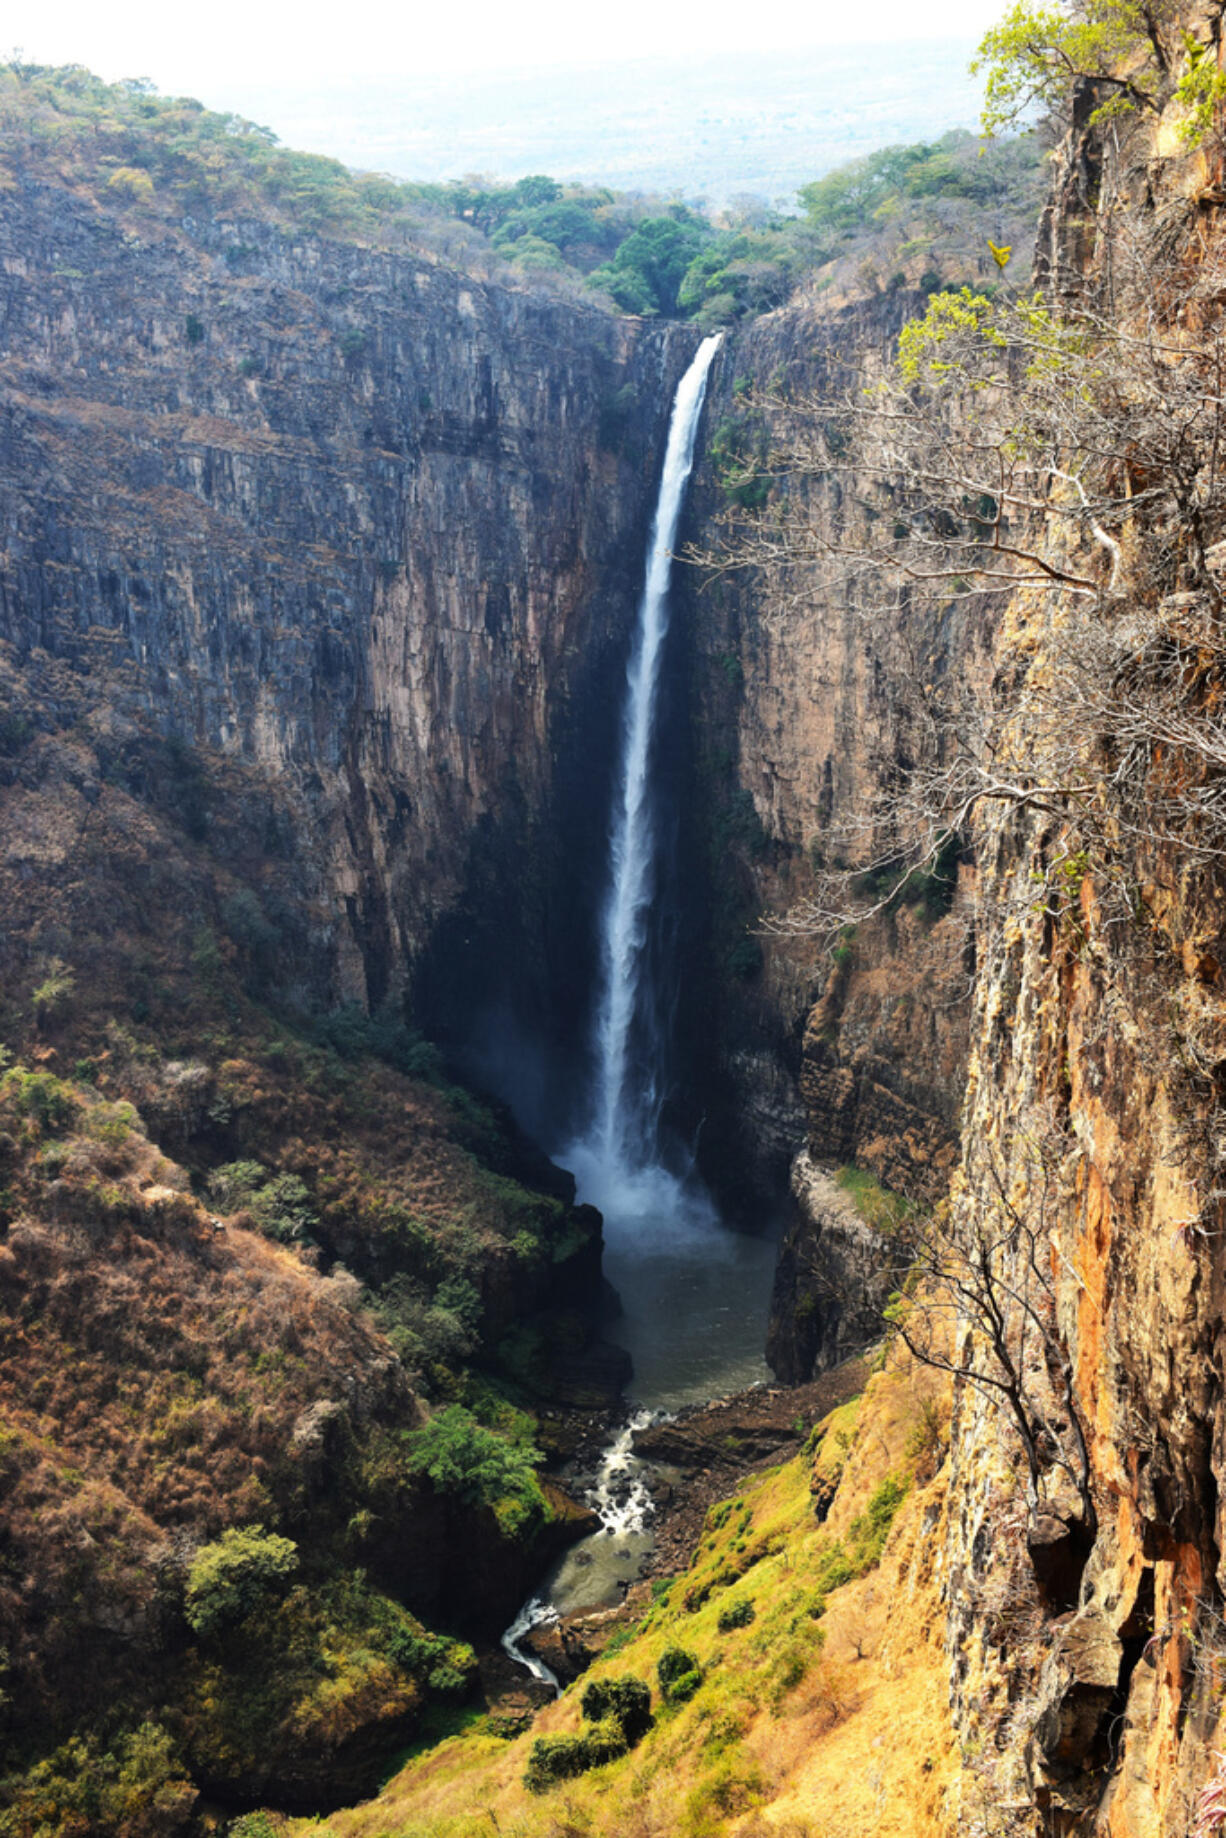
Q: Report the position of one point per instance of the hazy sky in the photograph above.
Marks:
(220, 50)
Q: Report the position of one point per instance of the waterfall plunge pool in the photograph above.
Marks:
(694, 1295)
(694, 1298)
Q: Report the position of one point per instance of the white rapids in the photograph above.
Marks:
(601, 1566)
(534, 1613)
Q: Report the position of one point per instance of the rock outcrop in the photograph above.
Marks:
(833, 1278)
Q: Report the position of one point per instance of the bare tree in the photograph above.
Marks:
(978, 1301)
(1070, 468)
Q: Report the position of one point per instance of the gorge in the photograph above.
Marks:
(324, 652)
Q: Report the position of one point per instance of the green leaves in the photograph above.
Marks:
(645, 275)
(1201, 90)
(459, 1456)
(230, 1578)
(1033, 56)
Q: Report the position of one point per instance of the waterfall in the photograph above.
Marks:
(616, 1161)
(694, 1294)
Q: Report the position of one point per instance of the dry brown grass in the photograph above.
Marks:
(152, 1370)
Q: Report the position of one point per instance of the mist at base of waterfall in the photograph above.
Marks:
(694, 1295)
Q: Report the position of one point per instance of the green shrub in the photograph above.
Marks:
(930, 887)
(253, 1825)
(839, 1564)
(682, 1689)
(460, 1456)
(280, 1203)
(733, 1785)
(619, 1711)
(136, 1787)
(557, 1758)
(55, 991)
(352, 1032)
(627, 1699)
(679, 1674)
(16, 730)
(870, 1530)
(427, 1332)
(606, 1741)
(234, 1575)
(736, 1614)
(44, 1099)
(446, 1666)
(834, 1568)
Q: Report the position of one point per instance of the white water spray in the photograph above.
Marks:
(534, 1613)
(620, 1498)
(616, 1161)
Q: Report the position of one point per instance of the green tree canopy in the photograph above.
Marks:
(645, 275)
(459, 1456)
(230, 1578)
(1033, 56)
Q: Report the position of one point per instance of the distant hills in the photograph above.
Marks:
(708, 127)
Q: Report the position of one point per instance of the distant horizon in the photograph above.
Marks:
(761, 122)
(254, 44)
(706, 127)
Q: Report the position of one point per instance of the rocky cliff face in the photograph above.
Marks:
(354, 525)
(850, 1048)
(1086, 1641)
(317, 565)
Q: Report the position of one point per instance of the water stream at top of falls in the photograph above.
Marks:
(693, 1294)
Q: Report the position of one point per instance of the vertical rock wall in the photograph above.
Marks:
(364, 528)
(1087, 1652)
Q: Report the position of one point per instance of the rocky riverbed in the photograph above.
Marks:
(691, 1460)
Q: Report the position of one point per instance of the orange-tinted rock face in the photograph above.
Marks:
(1093, 1079)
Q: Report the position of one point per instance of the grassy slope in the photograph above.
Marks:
(161, 1379)
(836, 1725)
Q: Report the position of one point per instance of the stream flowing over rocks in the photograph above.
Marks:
(661, 1473)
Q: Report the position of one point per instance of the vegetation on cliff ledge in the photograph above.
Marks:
(170, 162)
